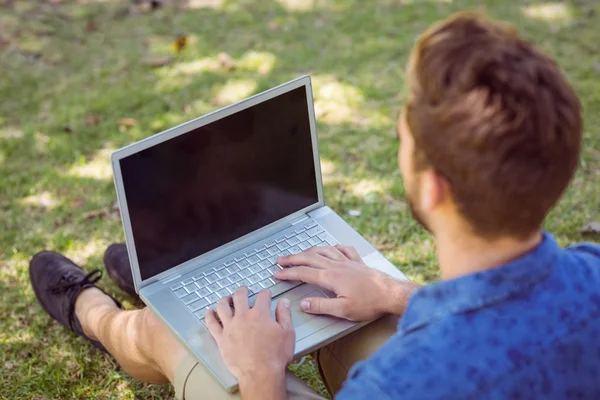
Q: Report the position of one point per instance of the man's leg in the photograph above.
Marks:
(336, 359)
(146, 349)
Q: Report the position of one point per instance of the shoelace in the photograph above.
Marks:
(90, 278)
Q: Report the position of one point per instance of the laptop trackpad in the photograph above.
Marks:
(307, 324)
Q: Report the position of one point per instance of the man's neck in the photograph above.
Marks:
(461, 254)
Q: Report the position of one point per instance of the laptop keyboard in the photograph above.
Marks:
(253, 269)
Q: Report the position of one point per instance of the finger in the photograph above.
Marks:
(309, 258)
(214, 326)
(323, 305)
(305, 274)
(224, 310)
(349, 252)
(263, 301)
(283, 314)
(240, 299)
(331, 253)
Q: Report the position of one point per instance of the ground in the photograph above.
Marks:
(82, 78)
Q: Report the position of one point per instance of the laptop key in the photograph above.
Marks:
(314, 241)
(187, 281)
(245, 273)
(203, 292)
(283, 246)
(228, 263)
(310, 225)
(273, 250)
(239, 258)
(253, 259)
(304, 246)
(266, 283)
(274, 268)
(212, 298)
(181, 292)
(212, 278)
(255, 268)
(295, 250)
(248, 253)
(200, 313)
(198, 304)
(213, 287)
(264, 274)
(243, 264)
(176, 286)
(231, 288)
(222, 274)
(234, 278)
(293, 241)
(253, 279)
(265, 264)
(303, 236)
(189, 298)
(280, 239)
(255, 288)
(244, 282)
(284, 253)
(323, 244)
(223, 293)
(270, 244)
(314, 231)
(263, 254)
(191, 287)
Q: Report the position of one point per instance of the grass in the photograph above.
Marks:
(73, 70)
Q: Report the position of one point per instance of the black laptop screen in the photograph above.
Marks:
(207, 187)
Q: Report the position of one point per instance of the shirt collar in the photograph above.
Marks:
(480, 289)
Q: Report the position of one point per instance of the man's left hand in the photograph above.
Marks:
(255, 348)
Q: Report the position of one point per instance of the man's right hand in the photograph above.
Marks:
(363, 293)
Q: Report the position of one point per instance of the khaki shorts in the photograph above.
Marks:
(194, 382)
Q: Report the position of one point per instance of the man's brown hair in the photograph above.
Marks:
(496, 118)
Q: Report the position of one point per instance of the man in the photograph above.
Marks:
(490, 137)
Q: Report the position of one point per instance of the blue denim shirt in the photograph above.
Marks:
(529, 329)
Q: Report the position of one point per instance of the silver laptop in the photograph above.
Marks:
(209, 205)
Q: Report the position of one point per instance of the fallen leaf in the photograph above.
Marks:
(92, 120)
(125, 123)
(592, 227)
(91, 26)
(77, 203)
(226, 61)
(158, 62)
(179, 43)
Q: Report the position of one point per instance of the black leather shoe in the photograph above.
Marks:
(57, 282)
(116, 261)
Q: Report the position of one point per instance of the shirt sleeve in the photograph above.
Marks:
(362, 386)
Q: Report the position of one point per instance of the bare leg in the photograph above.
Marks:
(139, 341)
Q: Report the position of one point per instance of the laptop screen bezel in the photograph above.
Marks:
(154, 140)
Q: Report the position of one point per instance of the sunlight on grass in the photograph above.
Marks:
(336, 102)
(327, 167)
(195, 4)
(368, 189)
(235, 90)
(98, 167)
(259, 61)
(11, 132)
(297, 5)
(550, 12)
(79, 251)
(45, 200)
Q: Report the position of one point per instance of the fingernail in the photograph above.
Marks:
(305, 305)
(286, 302)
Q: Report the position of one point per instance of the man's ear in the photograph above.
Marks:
(435, 190)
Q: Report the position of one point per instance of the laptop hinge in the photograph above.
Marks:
(301, 219)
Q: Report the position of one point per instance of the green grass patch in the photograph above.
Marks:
(78, 82)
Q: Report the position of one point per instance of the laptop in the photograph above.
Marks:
(209, 205)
